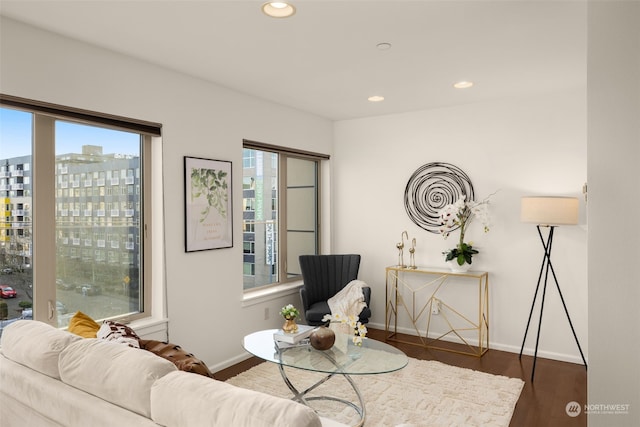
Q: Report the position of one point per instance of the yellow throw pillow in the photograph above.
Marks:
(83, 325)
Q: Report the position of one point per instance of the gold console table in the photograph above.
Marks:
(404, 297)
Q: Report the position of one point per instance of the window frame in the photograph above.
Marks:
(285, 153)
(44, 197)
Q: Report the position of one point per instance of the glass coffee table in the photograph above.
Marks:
(344, 359)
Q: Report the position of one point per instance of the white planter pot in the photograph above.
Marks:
(457, 268)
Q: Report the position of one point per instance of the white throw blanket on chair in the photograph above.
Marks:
(349, 301)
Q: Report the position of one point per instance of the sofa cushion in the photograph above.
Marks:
(205, 402)
(31, 399)
(175, 354)
(114, 372)
(36, 345)
(83, 325)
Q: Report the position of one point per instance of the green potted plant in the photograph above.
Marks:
(290, 313)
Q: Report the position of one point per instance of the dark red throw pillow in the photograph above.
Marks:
(174, 353)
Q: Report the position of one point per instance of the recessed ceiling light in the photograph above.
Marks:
(375, 98)
(278, 9)
(383, 46)
(463, 84)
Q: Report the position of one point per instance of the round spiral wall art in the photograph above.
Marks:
(432, 187)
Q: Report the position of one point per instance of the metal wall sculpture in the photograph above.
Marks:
(432, 187)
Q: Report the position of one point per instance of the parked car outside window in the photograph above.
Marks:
(7, 291)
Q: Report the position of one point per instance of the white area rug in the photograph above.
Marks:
(424, 393)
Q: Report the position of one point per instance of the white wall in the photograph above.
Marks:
(614, 206)
(517, 147)
(521, 146)
(199, 119)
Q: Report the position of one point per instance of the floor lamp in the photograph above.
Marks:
(548, 212)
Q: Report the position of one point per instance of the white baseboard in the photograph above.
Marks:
(229, 362)
(499, 346)
(492, 345)
(562, 357)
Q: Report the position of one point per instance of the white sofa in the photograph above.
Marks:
(49, 377)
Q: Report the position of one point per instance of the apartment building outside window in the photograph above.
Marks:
(79, 234)
(281, 219)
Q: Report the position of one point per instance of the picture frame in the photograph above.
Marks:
(208, 207)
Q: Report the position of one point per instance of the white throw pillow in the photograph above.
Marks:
(113, 372)
(36, 345)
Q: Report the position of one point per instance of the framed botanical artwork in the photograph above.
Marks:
(208, 209)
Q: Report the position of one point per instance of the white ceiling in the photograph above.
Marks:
(324, 59)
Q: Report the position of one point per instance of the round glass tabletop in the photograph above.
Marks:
(372, 357)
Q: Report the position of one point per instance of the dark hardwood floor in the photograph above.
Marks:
(542, 403)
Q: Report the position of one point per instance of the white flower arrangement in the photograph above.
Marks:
(459, 215)
(358, 328)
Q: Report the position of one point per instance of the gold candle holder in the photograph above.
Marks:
(412, 255)
(400, 247)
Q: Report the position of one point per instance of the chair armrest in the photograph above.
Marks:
(366, 290)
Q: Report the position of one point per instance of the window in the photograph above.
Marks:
(248, 158)
(81, 237)
(281, 218)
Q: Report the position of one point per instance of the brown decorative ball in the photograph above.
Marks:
(322, 338)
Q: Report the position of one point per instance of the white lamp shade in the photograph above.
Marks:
(548, 210)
